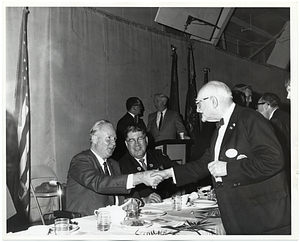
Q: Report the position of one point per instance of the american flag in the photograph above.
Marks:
(22, 114)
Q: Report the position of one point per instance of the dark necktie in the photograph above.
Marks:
(220, 123)
(143, 164)
(160, 120)
(106, 172)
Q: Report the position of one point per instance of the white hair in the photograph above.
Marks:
(218, 89)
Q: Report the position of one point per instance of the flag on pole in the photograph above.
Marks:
(174, 92)
(22, 114)
(191, 116)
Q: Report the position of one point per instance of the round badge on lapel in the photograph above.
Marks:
(139, 168)
(231, 153)
(151, 165)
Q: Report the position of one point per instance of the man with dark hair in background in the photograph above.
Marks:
(135, 110)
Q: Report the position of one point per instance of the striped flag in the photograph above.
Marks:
(174, 92)
(191, 116)
(22, 114)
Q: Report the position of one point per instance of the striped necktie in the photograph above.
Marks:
(106, 172)
(111, 197)
(142, 161)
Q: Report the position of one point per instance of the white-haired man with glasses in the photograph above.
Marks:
(246, 163)
(140, 159)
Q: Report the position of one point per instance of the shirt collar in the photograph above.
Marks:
(228, 114)
(272, 113)
(131, 114)
(145, 160)
(164, 111)
(101, 160)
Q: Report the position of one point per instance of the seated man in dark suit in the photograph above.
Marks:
(94, 180)
(140, 159)
(164, 123)
(269, 106)
(135, 110)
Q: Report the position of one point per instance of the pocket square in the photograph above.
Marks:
(241, 157)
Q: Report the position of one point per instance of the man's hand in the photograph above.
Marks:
(149, 178)
(165, 174)
(218, 168)
(153, 198)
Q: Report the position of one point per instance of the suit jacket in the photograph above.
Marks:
(155, 160)
(253, 198)
(123, 123)
(172, 125)
(88, 188)
(282, 126)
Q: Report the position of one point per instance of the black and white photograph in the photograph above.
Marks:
(148, 121)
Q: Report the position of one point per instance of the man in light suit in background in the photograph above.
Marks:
(164, 123)
(246, 162)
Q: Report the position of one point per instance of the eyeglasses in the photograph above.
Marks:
(201, 100)
(261, 104)
(139, 140)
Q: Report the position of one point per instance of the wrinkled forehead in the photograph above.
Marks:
(203, 93)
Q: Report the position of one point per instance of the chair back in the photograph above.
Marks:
(42, 173)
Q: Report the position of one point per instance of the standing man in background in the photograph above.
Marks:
(246, 162)
(247, 89)
(164, 123)
(269, 106)
(135, 110)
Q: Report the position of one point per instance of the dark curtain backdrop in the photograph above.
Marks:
(84, 64)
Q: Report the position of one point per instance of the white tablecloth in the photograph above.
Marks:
(88, 226)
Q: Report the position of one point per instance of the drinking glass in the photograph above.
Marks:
(61, 226)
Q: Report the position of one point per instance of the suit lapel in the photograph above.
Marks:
(96, 162)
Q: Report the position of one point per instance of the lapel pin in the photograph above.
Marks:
(139, 168)
(151, 165)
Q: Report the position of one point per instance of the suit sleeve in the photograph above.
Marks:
(192, 171)
(179, 124)
(84, 172)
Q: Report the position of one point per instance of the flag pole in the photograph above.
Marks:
(22, 114)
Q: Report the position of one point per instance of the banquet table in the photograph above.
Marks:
(161, 220)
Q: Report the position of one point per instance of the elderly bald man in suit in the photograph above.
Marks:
(246, 162)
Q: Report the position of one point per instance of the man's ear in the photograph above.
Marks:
(94, 139)
(146, 139)
(215, 101)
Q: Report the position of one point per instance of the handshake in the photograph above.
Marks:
(154, 177)
(151, 178)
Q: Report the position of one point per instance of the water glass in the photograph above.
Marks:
(61, 226)
(177, 203)
(103, 220)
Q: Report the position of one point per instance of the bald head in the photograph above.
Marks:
(213, 100)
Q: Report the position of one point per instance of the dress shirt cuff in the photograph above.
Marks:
(129, 183)
(173, 175)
